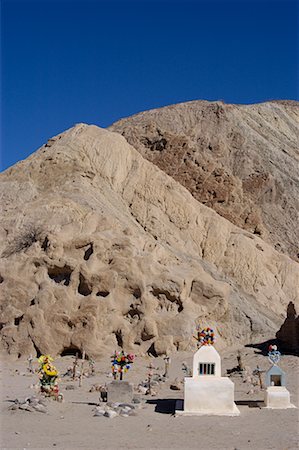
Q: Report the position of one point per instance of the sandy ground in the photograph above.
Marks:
(71, 424)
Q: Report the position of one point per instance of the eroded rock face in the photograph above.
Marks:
(240, 160)
(102, 249)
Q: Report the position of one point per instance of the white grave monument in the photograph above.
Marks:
(207, 392)
(276, 395)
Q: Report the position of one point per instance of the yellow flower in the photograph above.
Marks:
(50, 370)
(43, 358)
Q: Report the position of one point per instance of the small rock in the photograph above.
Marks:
(142, 390)
(101, 404)
(136, 400)
(111, 414)
(70, 387)
(100, 413)
(124, 410)
(33, 401)
(157, 378)
(127, 405)
(13, 407)
(40, 408)
(176, 385)
(26, 407)
(113, 404)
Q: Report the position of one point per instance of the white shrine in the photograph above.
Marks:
(276, 395)
(207, 392)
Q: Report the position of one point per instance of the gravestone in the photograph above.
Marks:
(207, 392)
(276, 395)
(120, 392)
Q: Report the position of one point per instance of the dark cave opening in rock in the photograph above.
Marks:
(38, 352)
(18, 320)
(60, 274)
(152, 351)
(45, 244)
(137, 292)
(88, 252)
(72, 351)
(119, 338)
(134, 311)
(1, 279)
(103, 293)
(83, 287)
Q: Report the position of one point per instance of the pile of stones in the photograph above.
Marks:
(111, 410)
(30, 404)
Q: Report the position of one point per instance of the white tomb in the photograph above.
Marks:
(207, 392)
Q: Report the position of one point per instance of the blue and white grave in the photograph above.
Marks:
(276, 395)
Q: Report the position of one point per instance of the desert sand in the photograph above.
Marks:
(72, 424)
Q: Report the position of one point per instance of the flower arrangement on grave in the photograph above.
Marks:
(48, 375)
(121, 363)
(273, 354)
(205, 336)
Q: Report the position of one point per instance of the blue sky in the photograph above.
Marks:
(64, 62)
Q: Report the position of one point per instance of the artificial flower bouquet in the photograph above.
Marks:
(121, 363)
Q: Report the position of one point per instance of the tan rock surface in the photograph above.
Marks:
(240, 160)
(100, 248)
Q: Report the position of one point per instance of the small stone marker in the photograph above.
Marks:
(30, 360)
(120, 391)
(167, 361)
(75, 364)
(82, 368)
(276, 395)
(149, 377)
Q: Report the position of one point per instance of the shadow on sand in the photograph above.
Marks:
(167, 406)
(164, 406)
(250, 403)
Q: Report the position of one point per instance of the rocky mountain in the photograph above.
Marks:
(240, 160)
(101, 249)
